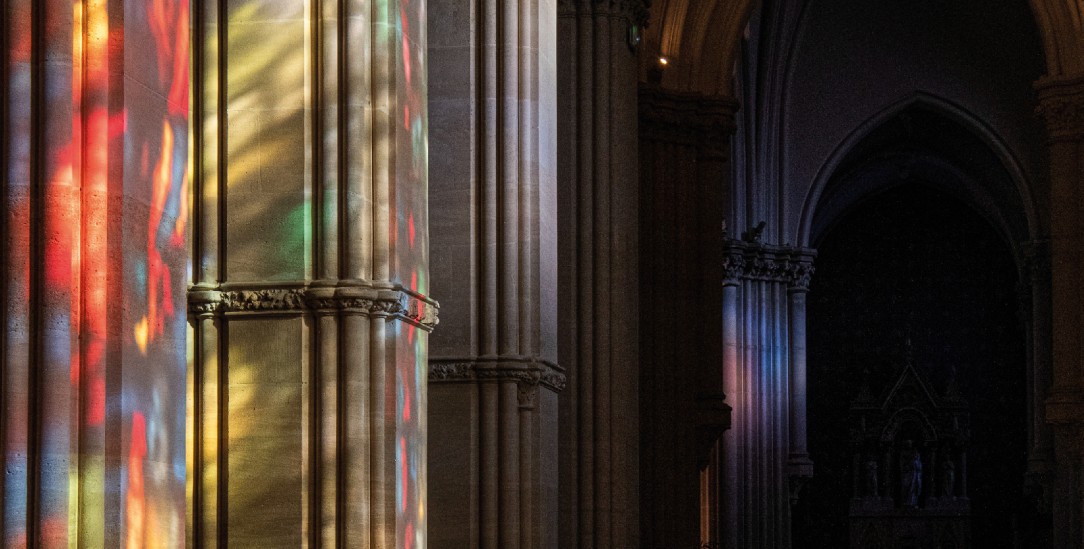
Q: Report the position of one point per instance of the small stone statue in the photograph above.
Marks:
(870, 477)
(948, 479)
(910, 475)
(753, 235)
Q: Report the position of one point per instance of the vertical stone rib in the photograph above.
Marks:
(51, 273)
(381, 496)
(585, 374)
(208, 94)
(35, 197)
(382, 167)
(507, 178)
(604, 291)
(527, 176)
(7, 264)
(489, 441)
(797, 311)
(16, 180)
(209, 504)
(489, 149)
(329, 111)
(362, 69)
(526, 464)
(328, 500)
(508, 470)
(356, 431)
(731, 442)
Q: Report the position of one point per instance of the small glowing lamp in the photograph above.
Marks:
(663, 61)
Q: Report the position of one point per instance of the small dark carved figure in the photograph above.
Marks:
(948, 478)
(910, 475)
(870, 477)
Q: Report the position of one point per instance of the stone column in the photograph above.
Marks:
(307, 413)
(1061, 102)
(494, 372)
(93, 151)
(764, 453)
(597, 232)
(39, 423)
(1035, 306)
(799, 466)
(685, 162)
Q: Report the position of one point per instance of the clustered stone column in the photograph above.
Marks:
(91, 345)
(307, 414)
(1061, 103)
(685, 163)
(765, 455)
(494, 372)
(597, 239)
(40, 205)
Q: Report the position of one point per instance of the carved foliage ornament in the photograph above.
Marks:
(359, 299)
(1061, 104)
(753, 260)
(526, 373)
(687, 117)
(636, 11)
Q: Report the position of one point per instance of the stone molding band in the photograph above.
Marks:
(352, 297)
(1061, 104)
(524, 370)
(688, 118)
(635, 11)
(752, 260)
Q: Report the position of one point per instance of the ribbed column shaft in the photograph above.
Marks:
(598, 238)
(92, 344)
(685, 154)
(495, 374)
(309, 305)
(40, 421)
(763, 327)
(1061, 102)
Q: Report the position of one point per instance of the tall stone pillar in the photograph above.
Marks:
(764, 330)
(494, 374)
(307, 388)
(1035, 307)
(93, 152)
(1061, 102)
(598, 223)
(685, 166)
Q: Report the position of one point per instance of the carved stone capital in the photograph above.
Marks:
(350, 297)
(1065, 407)
(753, 260)
(1061, 104)
(263, 300)
(528, 372)
(635, 11)
(203, 301)
(705, 122)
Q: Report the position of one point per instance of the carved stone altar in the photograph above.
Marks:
(909, 466)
